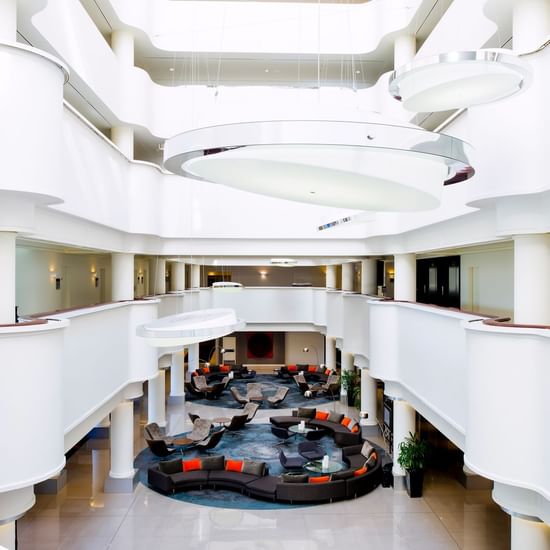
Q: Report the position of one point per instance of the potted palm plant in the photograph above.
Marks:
(349, 383)
(413, 452)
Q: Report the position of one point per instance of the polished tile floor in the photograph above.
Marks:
(83, 517)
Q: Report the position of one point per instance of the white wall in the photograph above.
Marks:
(35, 284)
(487, 281)
(295, 342)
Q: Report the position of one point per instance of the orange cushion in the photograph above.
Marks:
(355, 429)
(206, 370)
(195, 373)
(360, 472)
(345, 421)
(320, 415)
(191, 464)
(312, 368)
(327, 371)
(234, 465)
(320, 479)
(224, 368)
(292, 367)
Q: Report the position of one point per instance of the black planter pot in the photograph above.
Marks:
(414, 481)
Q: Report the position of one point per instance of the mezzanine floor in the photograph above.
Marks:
(82, 517)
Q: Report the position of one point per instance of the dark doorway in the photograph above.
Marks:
(438, 281)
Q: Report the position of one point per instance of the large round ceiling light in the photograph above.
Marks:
(458, 79)
(189, 328)
(359, 165)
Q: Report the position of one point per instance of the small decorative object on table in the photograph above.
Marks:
(302, 426)
(325, 463)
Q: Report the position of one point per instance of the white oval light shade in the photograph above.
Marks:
(359, 165)
(189, 328)
(457, 80)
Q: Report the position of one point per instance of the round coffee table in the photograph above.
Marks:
(296, 430)
(316, 466)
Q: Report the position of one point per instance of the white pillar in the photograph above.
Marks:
(347, 365)
(122, 266)
(368, 276)
(404, 49)
(330, 352)
(122, 44)
(123, 138)
(178, 276)
(404, 421)
(331, 276)
(7, 535)
(177, 374)
(7, 277)
(160, 276)
(195, 276)
(531, 276)
(8, 23)
(156, 402)
(529, 534)
(192, 357)
(347, 277)
(368, 398)
(405, 277)
(122, 441)
(531, 24)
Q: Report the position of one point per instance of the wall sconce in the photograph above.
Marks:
(391, 274)
(263, 274)
(95, 277)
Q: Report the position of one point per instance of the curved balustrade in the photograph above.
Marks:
(31, 402)
(507, 384)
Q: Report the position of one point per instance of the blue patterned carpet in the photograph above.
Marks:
(254, 442)
(270, 384)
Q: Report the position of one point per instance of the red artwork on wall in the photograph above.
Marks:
(259, 345)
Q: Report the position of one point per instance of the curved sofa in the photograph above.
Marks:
(217, 372)
(314, 373)
(219, 472)
(342, 435)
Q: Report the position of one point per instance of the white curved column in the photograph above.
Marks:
(531, 276)
(123, 138)
(531, 24)
(331, 276)
(368, 276)
(122, 472)
(160, 276)
(177, 374)
(178, 277)
(195, 276)
(193, 358)
(330, 352)
(122, 266)
(122, 44)
(404, 422)
(7, 277)
(347, 277)
(529, 534)
(404, 49)
(405, 277)
(368, 398)
(156, 403)
(8, 23)
(7, 535)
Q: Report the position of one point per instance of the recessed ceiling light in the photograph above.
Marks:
(358, 72)
(284, 262)
(266, 70)
(171, 69)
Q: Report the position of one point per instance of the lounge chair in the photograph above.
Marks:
(237, 422)
(311, 450)
(153, 432)
(305, 387)
(193, 417)
(201, 429)
(250, 410)
(254, 392)
(211, 441)
(291, 462)
(279, 396)
(159, 448)
(215, 390)
(282, 433)
(239, 398)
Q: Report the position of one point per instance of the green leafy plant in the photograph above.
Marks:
(356, 392)
(349, 380)
(413, 453)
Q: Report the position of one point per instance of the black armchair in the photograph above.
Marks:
(311, 450)
(291, 462)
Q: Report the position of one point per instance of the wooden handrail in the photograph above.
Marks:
(504, 322)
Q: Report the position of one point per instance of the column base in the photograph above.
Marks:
(52, 486)
(176, 400)
(399, 483)
(474, 482)
(121, 484)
